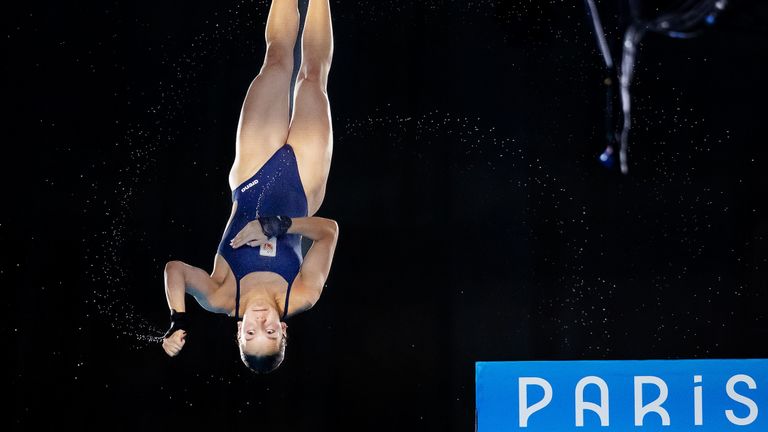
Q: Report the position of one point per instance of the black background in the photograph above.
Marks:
(475, 221)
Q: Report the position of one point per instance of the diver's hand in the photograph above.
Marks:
(251, 235)
(174, 343)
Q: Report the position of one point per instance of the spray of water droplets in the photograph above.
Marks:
(414, 134)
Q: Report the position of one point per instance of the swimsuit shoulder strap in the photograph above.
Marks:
(287, 297)
(237, 300)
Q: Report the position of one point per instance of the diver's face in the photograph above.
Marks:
(261, 331)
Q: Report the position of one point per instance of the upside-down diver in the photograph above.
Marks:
(278, 181)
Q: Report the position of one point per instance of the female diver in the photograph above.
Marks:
(259, 275)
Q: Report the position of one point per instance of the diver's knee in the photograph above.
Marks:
(278, 57)
(315, 72)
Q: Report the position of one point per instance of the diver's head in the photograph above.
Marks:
(261, 337)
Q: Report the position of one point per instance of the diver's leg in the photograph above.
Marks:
(310, 133)
(264, 118)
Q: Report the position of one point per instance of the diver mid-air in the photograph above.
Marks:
(278, 182)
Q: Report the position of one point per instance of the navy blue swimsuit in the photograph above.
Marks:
(275, 190)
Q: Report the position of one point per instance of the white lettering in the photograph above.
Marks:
(524, 410)
(601, 410)
(249, 185)
(729, 388)
(698, 416)
(640, 409)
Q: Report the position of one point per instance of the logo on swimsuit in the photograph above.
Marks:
(249, 185)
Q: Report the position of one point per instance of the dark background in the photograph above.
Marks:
(476, 223)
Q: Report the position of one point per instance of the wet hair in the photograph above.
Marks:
(263, 364)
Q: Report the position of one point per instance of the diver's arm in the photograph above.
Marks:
(175, 286)
(181, 278)
(317, 263)
(174, 338)
(314, 228)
